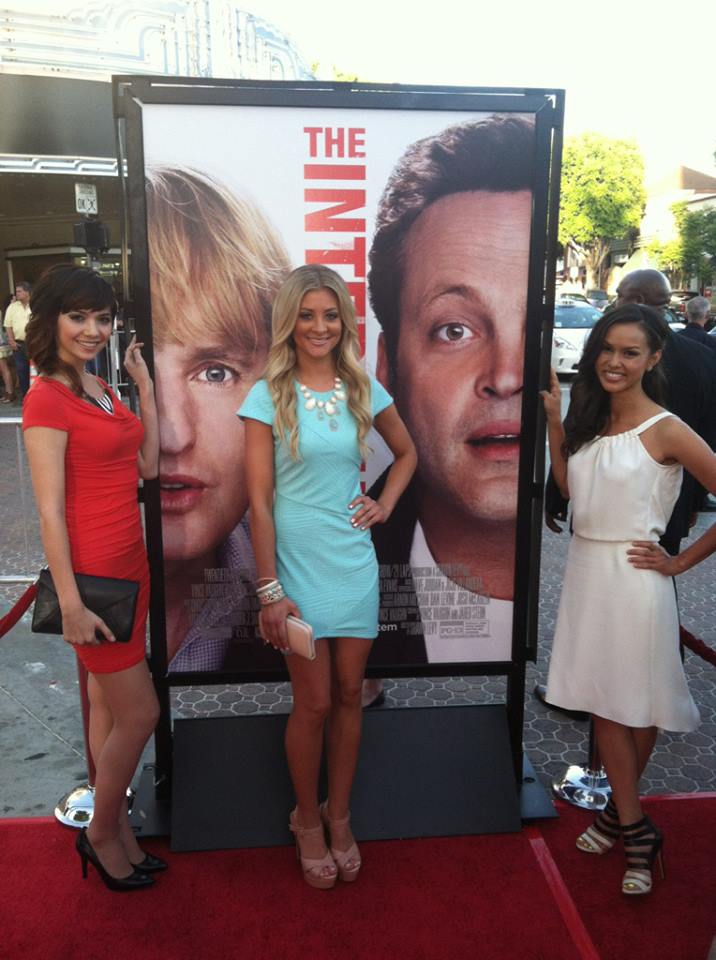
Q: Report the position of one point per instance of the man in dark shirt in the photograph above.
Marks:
(697, 310)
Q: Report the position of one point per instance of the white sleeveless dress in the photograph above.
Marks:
(616, 645)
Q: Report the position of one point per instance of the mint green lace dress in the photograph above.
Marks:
(327, 567)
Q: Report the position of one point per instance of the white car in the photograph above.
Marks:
(573, 321)
(565, 356)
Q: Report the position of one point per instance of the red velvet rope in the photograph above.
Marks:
(697, 646)
(14, 614)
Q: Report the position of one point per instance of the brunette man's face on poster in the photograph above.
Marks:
(200, 386)
(460, 351)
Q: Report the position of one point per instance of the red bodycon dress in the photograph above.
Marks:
(101, 508)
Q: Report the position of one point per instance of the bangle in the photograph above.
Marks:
(271, 593)
(266, 579)
(268, 586)
(273, 597)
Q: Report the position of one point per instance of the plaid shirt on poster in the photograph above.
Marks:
(205, 646)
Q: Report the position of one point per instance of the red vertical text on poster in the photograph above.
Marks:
(335, 184)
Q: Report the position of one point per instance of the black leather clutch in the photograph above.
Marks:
(115, 601)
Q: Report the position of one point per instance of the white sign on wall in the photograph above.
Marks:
(86, 198)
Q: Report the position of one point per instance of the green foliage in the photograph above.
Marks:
(603, 194)
(339, 75)
(697, 231)
(343, 77)
(693, 252)
(668, 256)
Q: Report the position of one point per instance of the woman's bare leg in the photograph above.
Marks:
(7, 380)
(100, 726)
(311, 688)
(127, 712)
(624, 751)
(644, 739)
(349, 657)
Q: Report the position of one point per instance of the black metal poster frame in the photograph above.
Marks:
(130, 95)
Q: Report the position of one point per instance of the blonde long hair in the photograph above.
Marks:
(281, 364)
(216, 262)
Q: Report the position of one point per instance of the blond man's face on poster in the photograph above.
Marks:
(203, 487)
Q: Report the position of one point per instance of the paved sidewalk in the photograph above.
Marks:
(41, 742)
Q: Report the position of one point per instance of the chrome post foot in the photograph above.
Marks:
(584, 787)
(75, 809)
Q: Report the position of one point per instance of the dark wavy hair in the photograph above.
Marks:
(589, 403)
(62, 288)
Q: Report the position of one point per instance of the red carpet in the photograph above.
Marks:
(678, 920)
(528, 897)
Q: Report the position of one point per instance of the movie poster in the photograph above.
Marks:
(427, 216)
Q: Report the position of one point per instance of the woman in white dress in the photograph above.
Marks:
(619, 458)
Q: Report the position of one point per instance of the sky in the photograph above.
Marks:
(625, 65)
(629, 69)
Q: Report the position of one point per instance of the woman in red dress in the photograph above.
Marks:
(86, 452)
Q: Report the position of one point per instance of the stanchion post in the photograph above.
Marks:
(585, 786)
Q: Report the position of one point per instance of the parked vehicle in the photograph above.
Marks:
(578, 297)
(679, 299)
(565, 356)
(676, 321)
(598, 298)
(572, 322)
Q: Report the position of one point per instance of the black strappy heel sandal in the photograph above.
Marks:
(601, 836)
(643, 844)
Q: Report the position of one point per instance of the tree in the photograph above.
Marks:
(668, 257)
(697, 233)
(603, 196)
(693, 251)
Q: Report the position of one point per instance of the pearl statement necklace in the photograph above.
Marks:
(329, 406)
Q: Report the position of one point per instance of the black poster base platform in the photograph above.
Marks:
(150, 815)
(535, 802)
(434, 771)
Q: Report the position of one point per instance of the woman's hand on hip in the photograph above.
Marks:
(369, 512)
(84, 628)
(645, 555)
(272, 623)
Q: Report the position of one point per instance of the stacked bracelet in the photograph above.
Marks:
(270, 593)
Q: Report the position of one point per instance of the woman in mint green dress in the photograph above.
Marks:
(307, 423)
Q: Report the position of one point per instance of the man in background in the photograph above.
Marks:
(697, 311)
(16, 320)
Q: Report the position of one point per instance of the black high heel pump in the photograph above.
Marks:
(150, 864)
(135, 881)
